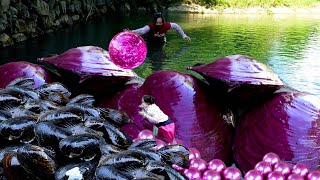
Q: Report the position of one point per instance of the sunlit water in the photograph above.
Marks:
(289, 45)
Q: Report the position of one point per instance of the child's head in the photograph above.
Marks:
(148, 99)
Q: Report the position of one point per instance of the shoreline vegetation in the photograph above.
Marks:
(205, 9)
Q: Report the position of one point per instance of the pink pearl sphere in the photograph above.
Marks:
(253, 175)
(300, 169)
(127, 50)
(211, 175)
(192, 173)
(271, 158)
(295, 177)
(146, 134)
(314, 175)
(283, 168)
(231, 173)
(193, 152)
(217, 165)
(275, 176)
(199, 164)
(263, 167)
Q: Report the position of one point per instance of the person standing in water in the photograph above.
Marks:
(157, 30)
(164, 127)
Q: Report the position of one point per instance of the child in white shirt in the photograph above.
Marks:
(150, 111)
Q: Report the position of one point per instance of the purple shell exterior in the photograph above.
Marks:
(89, 68)
(288, 124)
(198, 117)
(241, 76)
(12, 70)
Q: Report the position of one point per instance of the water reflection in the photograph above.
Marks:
(290, 45)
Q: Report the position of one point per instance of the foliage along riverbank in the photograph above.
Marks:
(245, 8)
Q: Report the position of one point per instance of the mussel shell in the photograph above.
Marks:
(75, 171)
(82, 146)
(110, 173)
(119, 118)
(174, 174)
(12, 168)
(116, 136)
(38, 106)
(180, 160)
(126, 160)
(82, 99)
(4, 115)
(20, 128)
(167, 151)
(108, 149)
(22, 81)
(57, 97)
(20, 112)
(13, 148)
(144, 143)
(60, 117)
(45, 89)
(49, 135)
(143, 173)
(8, 101)
(26, 94)
(147, 154)
(84, 109)
(38, 161)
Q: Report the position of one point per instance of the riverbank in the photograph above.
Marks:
(194, 8)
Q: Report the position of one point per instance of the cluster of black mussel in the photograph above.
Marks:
(48, 134)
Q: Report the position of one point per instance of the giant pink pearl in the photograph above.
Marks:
(217, 165)
(199, 164)
(192, 173)
(300, 169)
(146, 134)
(231, 173)
(295, 177)
(263, 167)
(253, 175)
(193, 152)
(271, 158)
(127, 50)
(314, 175)
(283, 168)
(275, 176)
(211, 175)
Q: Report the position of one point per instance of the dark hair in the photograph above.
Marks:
(156, 16)
(149, 99)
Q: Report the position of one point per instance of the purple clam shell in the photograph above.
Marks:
(288, 125)
(197, 114)
(241, 76)
(88, 69)
(12, 70)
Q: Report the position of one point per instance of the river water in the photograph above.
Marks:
(288, 44)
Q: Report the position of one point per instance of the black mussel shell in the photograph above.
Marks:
(60, 117)
(147, 154)
(119, 118)
(116, 136)
(180, 160)
(57, 97)
(12, 168)
(110, 173)
(85, 110)
(22, 81)
(20, 129)
(8, 101)
(12, 148)
(38, 106)
(143, 173)
(4, 115)
(108, 149)
(167, 151)
(45, 89)
(174, 174)
(75, 171)
(83, 146)
(49, 135)
(20, 112)
(38, 161)
(83, 99)
(26, 94)
(144, 143)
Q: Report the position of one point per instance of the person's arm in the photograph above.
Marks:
(151, 118)
(176, 27)
(142, 31)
